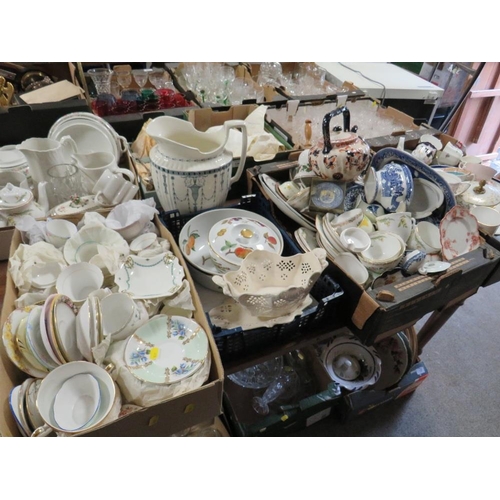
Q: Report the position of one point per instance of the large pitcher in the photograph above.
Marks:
(43, 153)
(192, 170)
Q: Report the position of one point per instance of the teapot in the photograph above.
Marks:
(342, 156)
(191, 170)
(43, 153)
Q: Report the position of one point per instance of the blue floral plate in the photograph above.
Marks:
(166, 349)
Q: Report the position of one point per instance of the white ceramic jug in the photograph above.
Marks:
(192, 170)
(43, 153)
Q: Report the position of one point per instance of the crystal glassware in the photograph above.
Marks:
(123, 77)
(258, 376)
(285, 386)
(65, 183)
(140, 77)
(101, 78)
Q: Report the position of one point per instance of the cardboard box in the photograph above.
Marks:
(348, 89)
(318, 403)
(6, 234)
(163, 419)
(357, 403)
(370, 316)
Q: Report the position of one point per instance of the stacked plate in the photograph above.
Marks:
(39, 338)
(22, 402)
(90, 132)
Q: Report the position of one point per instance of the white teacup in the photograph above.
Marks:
(58, 231)
(54, 381)
(488, 219)
(425, 152)
(425, 236)
(300, 200)
(77, 281)
(449, 155)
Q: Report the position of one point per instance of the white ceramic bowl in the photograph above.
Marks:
(269, 285)
(488, 219)
(53, 382)
(59, 231)
(385, 247)
(117, 310)
(77, 281)
(352, 267)
(355, 240)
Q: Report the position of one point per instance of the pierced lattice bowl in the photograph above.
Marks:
(269, 285)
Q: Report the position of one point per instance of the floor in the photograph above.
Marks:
(461, 395)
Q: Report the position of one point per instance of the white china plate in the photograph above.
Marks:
(83, 325)
(434, 266)
(23, 416)
(193, 238)
(46, 331)
(65, 313)
(269, 186)
(166, 349)
(9, 341)
(34, 339)
(426, 198)
(77, 402)
(90, 132)
(306, 238)
(395, 359)
(459, 233)
(14, 408)
(32, 413)
(150, 277)
(84, 244)
(232, 314)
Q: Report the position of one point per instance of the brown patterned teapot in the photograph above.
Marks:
(341, 156)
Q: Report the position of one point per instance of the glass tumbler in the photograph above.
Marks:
(65, 183)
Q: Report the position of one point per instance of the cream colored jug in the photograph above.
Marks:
(43, 153)
(192, 170)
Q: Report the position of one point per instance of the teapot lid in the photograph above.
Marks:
(342, 138)
(482, 193)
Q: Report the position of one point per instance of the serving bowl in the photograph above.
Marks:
(269, 285)
(193, 239)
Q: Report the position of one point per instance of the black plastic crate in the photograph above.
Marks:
(237, 342)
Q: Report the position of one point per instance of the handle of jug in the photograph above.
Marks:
(69, 143)
(243, 155)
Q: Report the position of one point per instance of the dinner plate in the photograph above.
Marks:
(47, 331)
(393, 353)
(459, 233)
(418, 169)
(9, 341)
(90, 132)
(32, 414)
(166, 349)
(150, 277)
(306, 238)
(24, 348)
(269, 186)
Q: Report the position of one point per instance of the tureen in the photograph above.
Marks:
(480, 193)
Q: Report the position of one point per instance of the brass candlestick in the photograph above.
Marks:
(308, 133)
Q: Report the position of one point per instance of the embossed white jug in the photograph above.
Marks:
(43, 153)
(192, 170)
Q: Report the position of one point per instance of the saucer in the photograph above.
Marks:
(231, 314)
(433, 267)
(166, 349)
